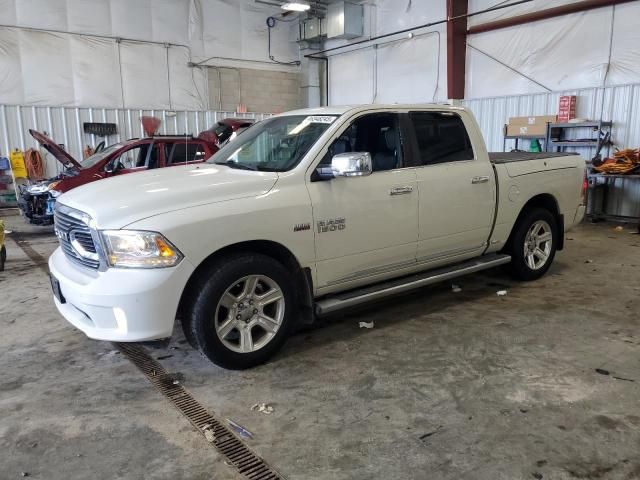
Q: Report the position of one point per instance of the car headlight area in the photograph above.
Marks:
(139, 249)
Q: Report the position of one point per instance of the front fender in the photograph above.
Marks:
(276, 216)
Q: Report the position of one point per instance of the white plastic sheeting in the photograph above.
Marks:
(65, 126)
(66, 65)
(567, 52)
(407, 71)
(563, 53)
(351, 78)
(619, 104)
(402, 68)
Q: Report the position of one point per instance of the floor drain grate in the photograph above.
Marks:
(236, 452)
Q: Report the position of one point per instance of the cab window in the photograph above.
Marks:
(378, 134)
(184, 152)
(138, 157)
(441, 137)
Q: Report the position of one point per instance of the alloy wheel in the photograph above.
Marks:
(537, 245)
(249, 313)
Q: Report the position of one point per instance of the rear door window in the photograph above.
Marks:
(441, 137)
(185, 152)
(142, 156)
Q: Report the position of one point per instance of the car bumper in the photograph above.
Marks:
(120, 305)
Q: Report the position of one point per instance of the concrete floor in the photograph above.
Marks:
(447, 385)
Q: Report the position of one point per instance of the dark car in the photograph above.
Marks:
(36, 201)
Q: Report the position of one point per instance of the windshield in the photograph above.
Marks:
(98, 157)
(276, 144)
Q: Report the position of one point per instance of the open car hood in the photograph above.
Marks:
(54, 149)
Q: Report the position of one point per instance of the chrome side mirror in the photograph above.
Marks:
(352, 164)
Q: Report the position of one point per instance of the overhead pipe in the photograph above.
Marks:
(545, 14)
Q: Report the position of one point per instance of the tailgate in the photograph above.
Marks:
(523, 163)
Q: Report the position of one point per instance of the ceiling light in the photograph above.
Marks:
(297, 6)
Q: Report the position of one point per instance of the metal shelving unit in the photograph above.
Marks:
(561, 143)
(614, 197)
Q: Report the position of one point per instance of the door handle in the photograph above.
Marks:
(401, 190)
(482, 179)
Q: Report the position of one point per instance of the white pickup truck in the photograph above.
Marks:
(303, 214)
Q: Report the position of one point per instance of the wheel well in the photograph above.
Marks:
(547, 202)
(277, 251)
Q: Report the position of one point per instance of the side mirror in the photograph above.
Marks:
(352, 164)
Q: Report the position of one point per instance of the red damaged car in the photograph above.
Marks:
(37, 201)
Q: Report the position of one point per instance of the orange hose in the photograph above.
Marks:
(34, 164)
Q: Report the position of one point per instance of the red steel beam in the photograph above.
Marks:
(544, 14)
(456, 47)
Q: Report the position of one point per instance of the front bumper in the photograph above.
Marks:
(120, 305)
(38, 209)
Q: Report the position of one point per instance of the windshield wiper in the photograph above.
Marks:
(240, 166)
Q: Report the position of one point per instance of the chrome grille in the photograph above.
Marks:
(70, 226)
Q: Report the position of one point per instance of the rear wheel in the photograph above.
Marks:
(242, 311)
(533, 245)
(3, 257)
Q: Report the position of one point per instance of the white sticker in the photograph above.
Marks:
(320, 119)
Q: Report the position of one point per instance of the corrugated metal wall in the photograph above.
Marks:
(65, 125)
(620, 104)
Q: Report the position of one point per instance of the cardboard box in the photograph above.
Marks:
(533, 120)
(567, 108)
(527, 130)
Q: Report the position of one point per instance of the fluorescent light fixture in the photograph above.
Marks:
(296, 6)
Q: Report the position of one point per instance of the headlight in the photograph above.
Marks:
(52, 189)
(134, 249)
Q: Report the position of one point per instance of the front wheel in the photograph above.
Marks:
(242, 311)
(533, 245)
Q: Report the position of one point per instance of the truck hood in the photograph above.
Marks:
(119, 201)
(54, 149)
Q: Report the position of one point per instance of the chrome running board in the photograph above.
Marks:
(363, 295)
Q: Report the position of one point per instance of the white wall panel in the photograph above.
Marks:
(567, 52)
(46, 68)
(10, 66)
(170, 21)
(94, 58)
(394, 15)
(76, 68)
(351, 78)
(625, 64)
(144, 74)
(407, 71)
(89, 16)
(405, 68)
(131, 19)
(50, 14)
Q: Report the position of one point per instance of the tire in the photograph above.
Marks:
(242, 310)
(3, 257)
(533, 245)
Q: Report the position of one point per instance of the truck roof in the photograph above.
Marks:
(342, 109)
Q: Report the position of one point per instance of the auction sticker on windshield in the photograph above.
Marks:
(320, 119)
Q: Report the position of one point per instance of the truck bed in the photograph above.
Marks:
(509, 157)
